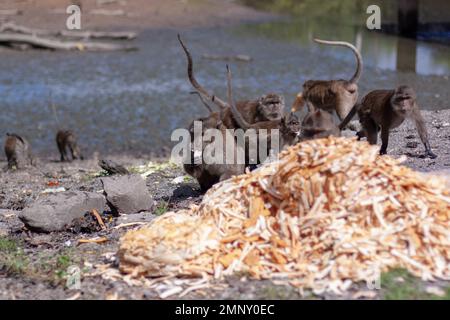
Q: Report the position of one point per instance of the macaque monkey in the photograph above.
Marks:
(318, 124)
(332, 95)
(65, 139)
(385, 110)
(290, 130)
(18, 151)
(289, 125)
(269, 107)
(209, 174)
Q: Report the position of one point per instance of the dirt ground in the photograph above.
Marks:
(33, 266)
(133, 14)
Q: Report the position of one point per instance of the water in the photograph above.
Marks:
(131, 102)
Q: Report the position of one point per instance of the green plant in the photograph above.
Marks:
(161, 208)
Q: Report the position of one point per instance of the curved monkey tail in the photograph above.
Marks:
(193, 80)
(359, 62)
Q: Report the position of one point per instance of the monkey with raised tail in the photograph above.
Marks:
(269, 107)
(332, 95)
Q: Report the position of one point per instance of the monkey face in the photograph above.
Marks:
(271, 107)
(291, 124)
(403, 100)
(317, 123)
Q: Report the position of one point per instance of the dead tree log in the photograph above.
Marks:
(40, 42)
(12, 27)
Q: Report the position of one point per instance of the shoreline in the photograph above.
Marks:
(138, 14)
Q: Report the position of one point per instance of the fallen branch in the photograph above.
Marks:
(121, 35)
(40, 42)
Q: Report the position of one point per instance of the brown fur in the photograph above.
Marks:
(318, 124)
(18, 151)
(209, 174)
(289, 125)
(332, 95)
(385, 110)
(66, 139)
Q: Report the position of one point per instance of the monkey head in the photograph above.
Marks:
(291, 124)
(319, 124)
(403, 100)
(271, 106)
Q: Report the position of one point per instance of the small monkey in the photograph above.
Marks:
(385, 110)
(318, 124)
(18, 151)
(290, 130)
(332, 95)
(65, 139)
(209, 174)
(269, 107)
(288, 126)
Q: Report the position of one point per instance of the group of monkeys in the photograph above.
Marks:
(18, 149)
(379, 110)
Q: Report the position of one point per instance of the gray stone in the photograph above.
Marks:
(127, 194)
(56, 212)
(9, 221)
(136, 217)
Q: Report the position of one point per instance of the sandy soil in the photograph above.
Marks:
(136, 14)
(38, 271)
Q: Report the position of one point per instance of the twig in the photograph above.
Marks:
(99, 219)
(94, 240)
(129, 224)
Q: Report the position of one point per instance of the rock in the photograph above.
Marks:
(112, 167)
(56, 212)
(135, 217)
(412, 144)
(127, 194)
(9, 221)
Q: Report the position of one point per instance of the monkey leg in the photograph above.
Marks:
(384, 140)
(422, 129)
(12, 162)
(62, 152)
(361, 134)
(370, 129)
(73, 153)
